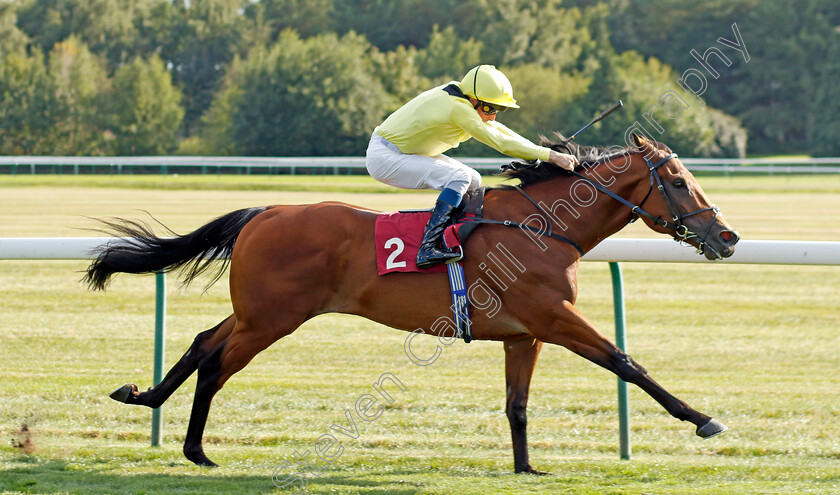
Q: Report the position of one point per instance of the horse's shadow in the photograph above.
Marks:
(56, 476)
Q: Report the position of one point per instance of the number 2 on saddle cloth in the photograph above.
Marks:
(397, 237)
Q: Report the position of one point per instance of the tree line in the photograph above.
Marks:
(314, 77)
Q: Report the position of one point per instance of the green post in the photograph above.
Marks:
(160, 334)
(621, 342)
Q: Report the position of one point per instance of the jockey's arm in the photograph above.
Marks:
(504, 140)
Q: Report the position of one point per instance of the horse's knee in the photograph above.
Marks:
(629, 370)
(518, 417)
(517, 414)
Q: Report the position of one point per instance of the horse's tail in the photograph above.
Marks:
(144, 252)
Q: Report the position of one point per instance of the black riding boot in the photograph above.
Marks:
(431, 251)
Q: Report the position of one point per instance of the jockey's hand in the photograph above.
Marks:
(564, 161)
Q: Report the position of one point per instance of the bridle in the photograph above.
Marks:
(680, 230)
(676, 225)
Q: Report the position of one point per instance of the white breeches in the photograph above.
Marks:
(386, 163)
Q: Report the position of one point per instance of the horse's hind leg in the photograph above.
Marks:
(216, 368)
(203, 344)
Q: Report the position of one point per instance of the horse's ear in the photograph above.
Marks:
(640, 141)
(644, 144)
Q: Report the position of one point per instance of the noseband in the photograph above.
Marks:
(681, 231)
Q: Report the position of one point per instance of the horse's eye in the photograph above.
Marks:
(678, 183)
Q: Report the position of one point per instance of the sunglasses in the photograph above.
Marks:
(489, 109)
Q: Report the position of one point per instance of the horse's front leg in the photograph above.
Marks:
(520, 358)
(571, 329)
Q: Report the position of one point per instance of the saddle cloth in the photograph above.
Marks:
(397, 235)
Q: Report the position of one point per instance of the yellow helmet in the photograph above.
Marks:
(488, 84)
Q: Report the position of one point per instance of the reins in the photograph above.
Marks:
(510, 223)
(676, 225)
(680, 230)
(637, 210)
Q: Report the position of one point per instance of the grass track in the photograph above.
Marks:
(756, 346)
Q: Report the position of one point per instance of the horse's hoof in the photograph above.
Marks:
(123, 393)
(530, 470)
(711, 429)
(199, 459)
(207, 463)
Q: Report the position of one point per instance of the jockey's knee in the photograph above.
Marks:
(474, 178)
(464, 180)
(458, 187)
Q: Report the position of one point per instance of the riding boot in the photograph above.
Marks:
(431, 251)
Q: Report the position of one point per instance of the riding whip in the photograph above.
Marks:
(598, 118)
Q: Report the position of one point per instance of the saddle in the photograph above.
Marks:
(398, 236)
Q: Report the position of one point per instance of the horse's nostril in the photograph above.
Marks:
(729, 237)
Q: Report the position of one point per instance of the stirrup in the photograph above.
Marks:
(437, 255)
(460, 255)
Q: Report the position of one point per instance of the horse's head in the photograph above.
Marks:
(650, 181)
(679, 207)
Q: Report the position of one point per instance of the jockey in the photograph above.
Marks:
(406, 149)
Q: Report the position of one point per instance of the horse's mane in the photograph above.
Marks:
(534, 172)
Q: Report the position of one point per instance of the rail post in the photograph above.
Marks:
(160, 342)
(621, 342)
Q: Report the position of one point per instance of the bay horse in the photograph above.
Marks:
(291, 263)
